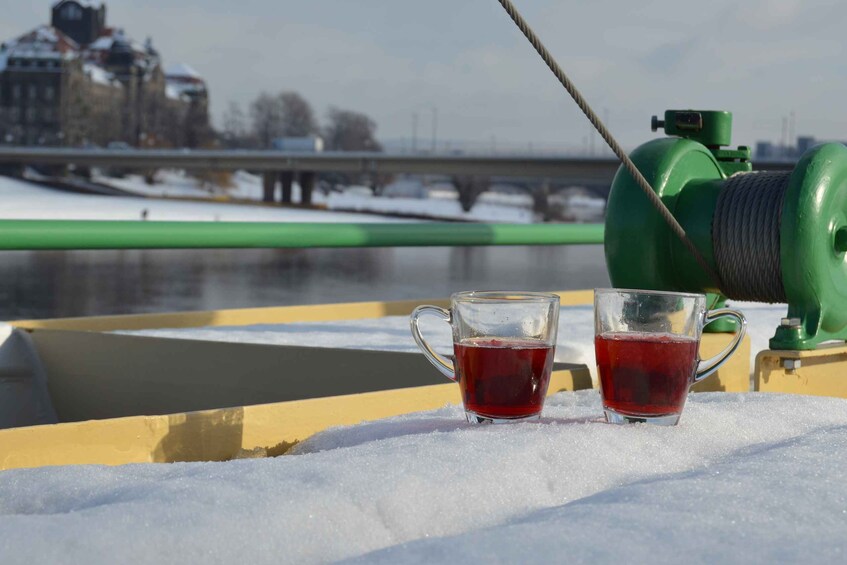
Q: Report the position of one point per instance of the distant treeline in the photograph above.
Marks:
(288, 114)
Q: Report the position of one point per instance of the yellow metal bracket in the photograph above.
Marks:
(818, 372)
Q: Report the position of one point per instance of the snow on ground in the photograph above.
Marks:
(574, 344)
(404, 197)
(168, 183)
(23, 200)
(442, 208)
(744, 478)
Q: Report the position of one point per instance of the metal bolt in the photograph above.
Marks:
(791, 364)
(656, 123)
(841, 240)
(790, 322)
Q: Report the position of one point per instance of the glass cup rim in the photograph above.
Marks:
(503, 296)
(598, 291)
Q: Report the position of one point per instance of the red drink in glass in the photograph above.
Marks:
(503, 345)
(645, 374)
(503, 378)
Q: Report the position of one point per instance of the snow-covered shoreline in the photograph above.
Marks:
(179, 197)
(28, 201)
(403, 197)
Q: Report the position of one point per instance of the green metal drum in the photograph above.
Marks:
(813, 238)
(772, 237)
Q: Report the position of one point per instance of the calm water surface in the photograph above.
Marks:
(48, 284)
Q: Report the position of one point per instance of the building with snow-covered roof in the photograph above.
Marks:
(80, 20)
(35, 68)
(186, 80)
(80, 81)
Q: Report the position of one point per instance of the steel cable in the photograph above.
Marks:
(654, 198)
(745, 236)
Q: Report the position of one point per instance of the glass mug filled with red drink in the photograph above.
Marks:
(647, 348)
(503, 347)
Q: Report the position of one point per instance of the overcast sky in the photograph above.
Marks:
(761, 59)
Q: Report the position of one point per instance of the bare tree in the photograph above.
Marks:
(196, 124)
(234, 121)
(266, 112)
(298, 119)
(350, 131)
(173, 116)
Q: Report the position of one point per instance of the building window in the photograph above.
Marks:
(30, 114)
(16, 92)
(72, 12)
(15, 115)
(33, 92)
(49, 92)
(48, 114)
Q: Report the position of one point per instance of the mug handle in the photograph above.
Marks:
(709, 366)
(442, 364)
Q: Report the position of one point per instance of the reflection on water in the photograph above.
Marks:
(48, 284)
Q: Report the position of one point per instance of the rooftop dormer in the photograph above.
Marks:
(81, 20)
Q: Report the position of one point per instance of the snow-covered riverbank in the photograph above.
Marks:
(405, 197)
(24, 200)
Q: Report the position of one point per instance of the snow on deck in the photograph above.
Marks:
(574, 344)
(744, 478)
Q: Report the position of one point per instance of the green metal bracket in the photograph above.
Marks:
(711, 128)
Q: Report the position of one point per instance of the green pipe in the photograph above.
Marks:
(87, 234)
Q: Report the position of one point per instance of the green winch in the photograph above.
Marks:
(771, 236)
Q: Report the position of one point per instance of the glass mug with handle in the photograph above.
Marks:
(647, 347)
(503, 346)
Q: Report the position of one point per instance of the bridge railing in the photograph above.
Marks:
(575, 168)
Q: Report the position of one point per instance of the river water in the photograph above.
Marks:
(47, 284)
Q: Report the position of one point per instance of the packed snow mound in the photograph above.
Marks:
(743, 478)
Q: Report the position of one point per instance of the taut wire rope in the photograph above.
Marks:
(610, 141)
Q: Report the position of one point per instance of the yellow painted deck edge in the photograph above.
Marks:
(219, 435)
(246, 316)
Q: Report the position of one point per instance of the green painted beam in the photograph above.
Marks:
(86, 234)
